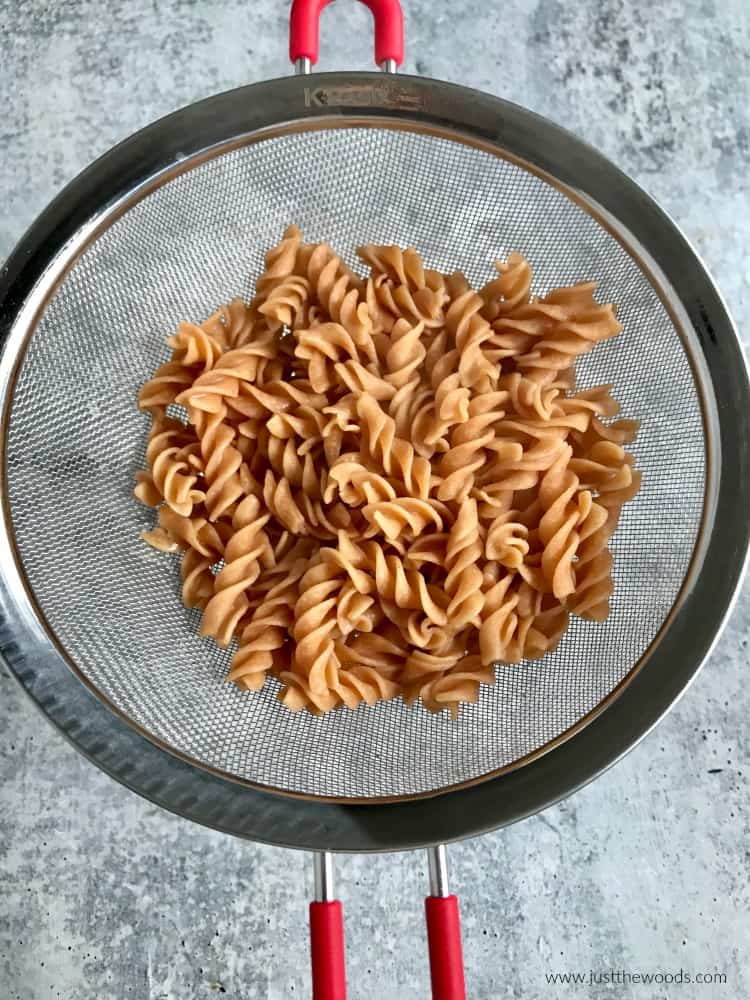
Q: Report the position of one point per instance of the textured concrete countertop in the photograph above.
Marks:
(105, 897)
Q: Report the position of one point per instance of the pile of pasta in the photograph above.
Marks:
(384, 485)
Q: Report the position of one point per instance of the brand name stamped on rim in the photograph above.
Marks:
(362, 96)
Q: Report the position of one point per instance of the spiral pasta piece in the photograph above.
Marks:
(557, 527)
(498, 632)
(531, 400)
(337, 291)
(406, 353)
(428, 550)
(507, 541)
(608, 469)
(586, 324)
(256, 403)
(296, 694)
(393, 518)
(395, 456)
(315, 627)
(463, 583)
(267, 630)
(166, 384)
(460, 684)
(401, 266)
(515, 468)
(175, 531)
(361, 684)
(406, 588)
(358, 379)
(301, 514)
(197, 579)
(466, 454)
(470, 330)
(443, 402)
(231, 326)
(171, 478)
(381, 650)
(594, 585)
(402, 288)
(408, 409)
(286, 303)
(546, 630)
(356, 484)
(244, 554)
(520, 320)
(222, 463)
(280, 263)
(211, 391)
(355, 611)
(193, 345)
(511, 288)
(287, 548)
(322, 347)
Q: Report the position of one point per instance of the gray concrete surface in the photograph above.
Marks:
(103, 897)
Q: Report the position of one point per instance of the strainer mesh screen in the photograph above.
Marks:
(76, 439)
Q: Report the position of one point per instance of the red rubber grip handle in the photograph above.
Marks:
(389, 29)
(327, 951)
(446, 955)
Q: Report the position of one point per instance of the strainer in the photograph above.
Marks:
(174, 221)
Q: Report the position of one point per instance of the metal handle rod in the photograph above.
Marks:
(323, 874)
(437, 864)
(303, 66)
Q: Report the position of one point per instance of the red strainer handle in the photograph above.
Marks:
(446, 956)
(389, 30)
(326, 936)
(443, 932)
(327, 951)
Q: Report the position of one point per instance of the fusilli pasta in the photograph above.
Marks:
(384, 485)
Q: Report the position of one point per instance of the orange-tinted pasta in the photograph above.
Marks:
(386, 484)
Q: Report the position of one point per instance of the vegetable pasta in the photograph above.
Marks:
(383, 485)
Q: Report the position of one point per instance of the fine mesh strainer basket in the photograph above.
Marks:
(174, 221)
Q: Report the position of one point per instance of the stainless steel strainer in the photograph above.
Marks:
(174, 221)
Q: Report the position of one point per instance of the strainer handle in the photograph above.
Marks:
(326, 936)
(443, 932)
(389, 31)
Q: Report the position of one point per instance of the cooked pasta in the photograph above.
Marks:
(384, 485)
